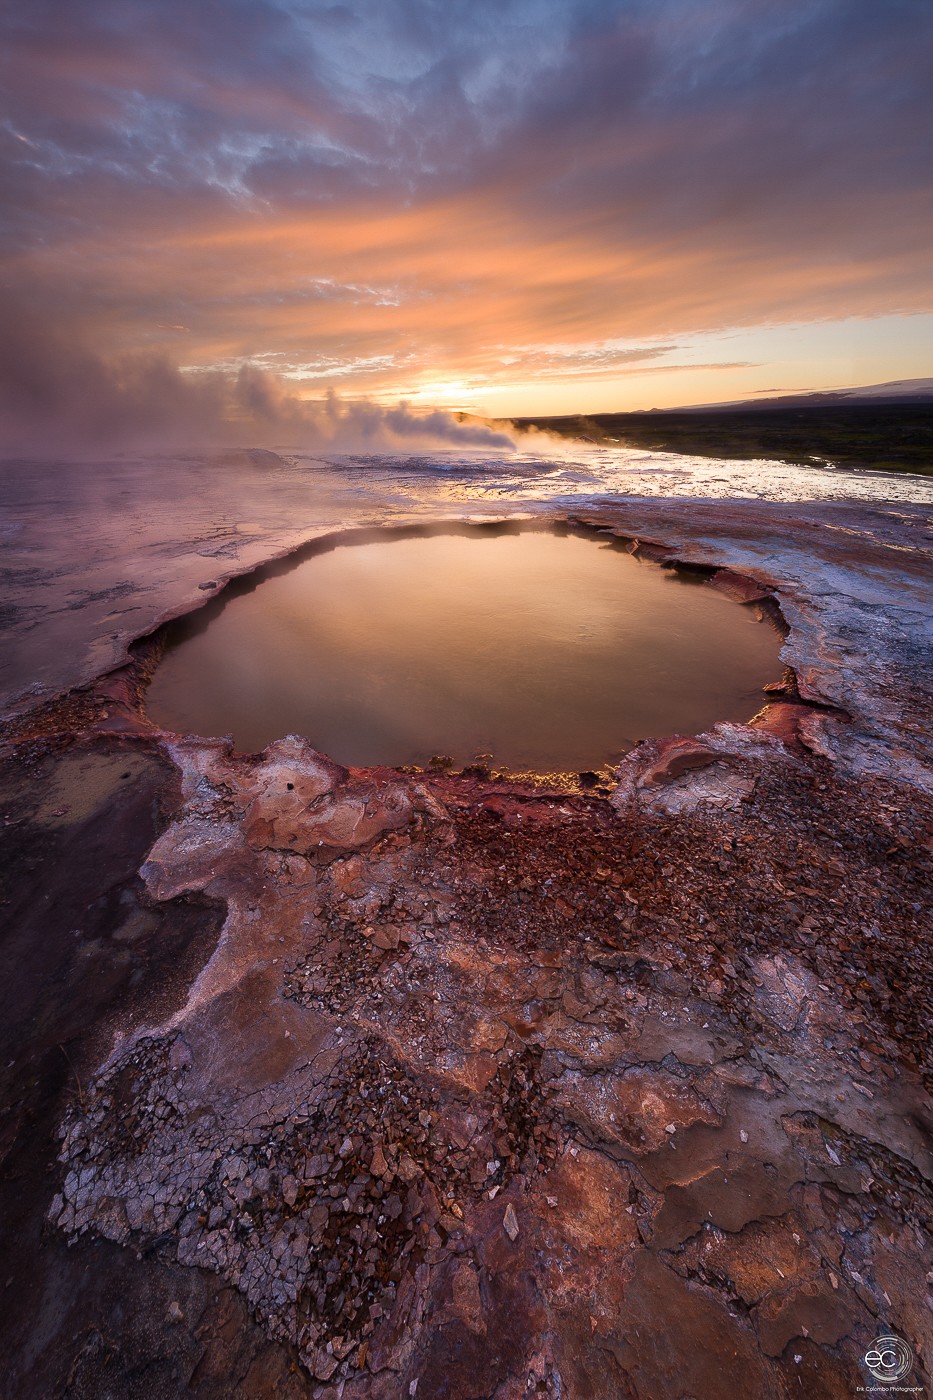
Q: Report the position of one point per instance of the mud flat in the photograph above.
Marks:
(357, 1082)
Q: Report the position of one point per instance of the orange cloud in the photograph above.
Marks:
(529, 193)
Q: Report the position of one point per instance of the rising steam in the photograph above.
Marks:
(56, 395)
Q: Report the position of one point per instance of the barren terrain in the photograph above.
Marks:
(365, 1083)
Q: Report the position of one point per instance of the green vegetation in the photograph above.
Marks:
(882, 437)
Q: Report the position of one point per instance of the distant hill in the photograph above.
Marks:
(896, 391)
(878, 427)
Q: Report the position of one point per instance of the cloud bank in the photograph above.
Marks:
(381, 197)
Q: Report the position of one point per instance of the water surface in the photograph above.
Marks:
(545, 650)
(93, 554)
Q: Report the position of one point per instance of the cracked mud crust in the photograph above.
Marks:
(437, 1085)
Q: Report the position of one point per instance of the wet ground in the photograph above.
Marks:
(93, 554)
(360, 1083)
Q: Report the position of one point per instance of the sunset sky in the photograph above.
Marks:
(507, 206)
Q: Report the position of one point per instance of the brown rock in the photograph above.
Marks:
(589, 1190)
(467, 1302)
(809, 1311)
(323, 1365)
(346, 877)
(385, 936)
(408, 1169)
(318, 1220)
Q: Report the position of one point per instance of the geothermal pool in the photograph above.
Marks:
(546, 650)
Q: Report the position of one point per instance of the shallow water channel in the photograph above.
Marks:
(548, 650)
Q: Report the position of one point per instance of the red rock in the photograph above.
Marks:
(782, 719)
(679, 756)
(739, 586)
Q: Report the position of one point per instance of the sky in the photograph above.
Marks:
(219, 210)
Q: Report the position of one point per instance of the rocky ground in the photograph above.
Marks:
(373, 1084)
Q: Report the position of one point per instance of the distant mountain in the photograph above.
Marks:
(896, 391)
